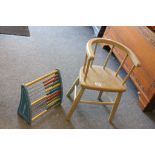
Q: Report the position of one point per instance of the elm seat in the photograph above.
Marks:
(101, 79)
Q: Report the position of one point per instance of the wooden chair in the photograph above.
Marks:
(101, 78)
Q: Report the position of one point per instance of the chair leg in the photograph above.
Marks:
(76, 82)
(75, 103)
(115, 106)
(99, 95)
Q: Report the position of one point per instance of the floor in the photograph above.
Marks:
(23, 59)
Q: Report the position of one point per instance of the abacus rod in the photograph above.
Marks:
(55, 94)
(43, 87)
(42, 98)
(37, 111)
(39, 106)
(36, 101)
(51, 84)
(47, 90)
(37, 94)
(55, 76)
(40, 114)
(42, 92)
(45, 104)
(54, 105)
(39, 79)
(49, 104)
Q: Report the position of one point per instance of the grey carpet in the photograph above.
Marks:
(23, 59)
(15, 30)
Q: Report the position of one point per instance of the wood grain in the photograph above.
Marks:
(142, 42)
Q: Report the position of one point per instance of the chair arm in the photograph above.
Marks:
(90, 52)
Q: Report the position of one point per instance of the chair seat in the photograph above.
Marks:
(101, 79)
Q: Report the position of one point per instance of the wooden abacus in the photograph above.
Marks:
(40, 95)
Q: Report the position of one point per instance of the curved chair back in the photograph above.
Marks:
(90, 55)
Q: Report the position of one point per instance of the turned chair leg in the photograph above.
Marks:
(99, 95)
(76, 82)
(115, 106)
(74, 104)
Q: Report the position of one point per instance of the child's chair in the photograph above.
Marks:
(101, 78)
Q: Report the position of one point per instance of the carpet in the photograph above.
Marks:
(23, 59)
(15, 30)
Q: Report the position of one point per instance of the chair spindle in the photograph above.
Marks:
(94, 54)
(95, 48)
(87, 68)
(107, 58)
(121, 65)
(85, 62)
(127, 76)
